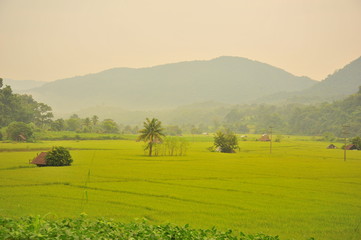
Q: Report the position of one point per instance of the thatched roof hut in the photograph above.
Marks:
(40, 160)
(265, 138)
(331, 146)
(351, 147)
(21, 138)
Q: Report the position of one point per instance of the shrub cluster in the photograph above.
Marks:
(171, 146)
(225, 141)
(84, 228)
(58, 156)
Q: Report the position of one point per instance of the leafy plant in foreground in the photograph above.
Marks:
(84, 228)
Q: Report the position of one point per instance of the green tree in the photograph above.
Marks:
(357, 142)
(95, 120)
(19, 131)
(43, 115)
(21, 108)
(87, 125)
(109, 126)
(151, 133)
(58, 156)
(226, 141)
(73, 124)
(58, 125)
(173, 130)
(7, 106)
(127, 129)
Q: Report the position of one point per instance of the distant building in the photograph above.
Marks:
(21, 138)
(331, 146)
(40, 160)
(264, 138)
(351, 147)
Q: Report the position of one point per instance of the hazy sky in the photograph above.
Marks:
(52, 39)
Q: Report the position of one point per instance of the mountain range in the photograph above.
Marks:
(338, 85)
(228, 80)
(232, 80)
(22, 85)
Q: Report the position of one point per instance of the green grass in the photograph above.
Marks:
(299, 191)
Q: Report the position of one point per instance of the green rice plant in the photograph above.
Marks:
(83, 228)
(301, 190)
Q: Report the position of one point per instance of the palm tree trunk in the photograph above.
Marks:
(150, 149)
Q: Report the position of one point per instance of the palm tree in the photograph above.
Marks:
(151, 133)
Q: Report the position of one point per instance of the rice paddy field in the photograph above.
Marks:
(300, 190)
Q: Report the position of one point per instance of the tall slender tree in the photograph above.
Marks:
(151, 133)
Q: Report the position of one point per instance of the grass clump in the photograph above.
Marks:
(83, 228)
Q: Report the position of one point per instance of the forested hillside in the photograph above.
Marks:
(300, 119)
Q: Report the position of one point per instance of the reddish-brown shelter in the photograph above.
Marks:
(331, 146)
(40, 160)
(22, 138)
(265, 138)
(351, 147)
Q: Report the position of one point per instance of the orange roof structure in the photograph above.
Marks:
(331, 146)
(264, 138)
(40, 160)
(22, 137)
(351, 147)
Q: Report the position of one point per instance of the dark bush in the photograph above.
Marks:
(226, 141)
(357, 142)
(58, 156)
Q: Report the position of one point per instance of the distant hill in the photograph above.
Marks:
(231, 80)
(21, 85)
(336, 86)
(341, 83)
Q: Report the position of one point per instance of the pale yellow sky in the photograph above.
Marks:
(52, 39)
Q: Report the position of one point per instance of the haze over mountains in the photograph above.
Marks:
(21, 85)
(340, 84)
(229, 80)
(232, 80)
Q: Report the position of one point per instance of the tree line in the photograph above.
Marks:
(22, 108)
(325, 119)
(298, 119)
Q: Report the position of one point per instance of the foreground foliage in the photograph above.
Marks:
(83, 228)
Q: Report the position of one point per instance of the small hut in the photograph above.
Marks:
(40, 160)
(351, 147)
(21, 138)
(331, 146)
(264, 138)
